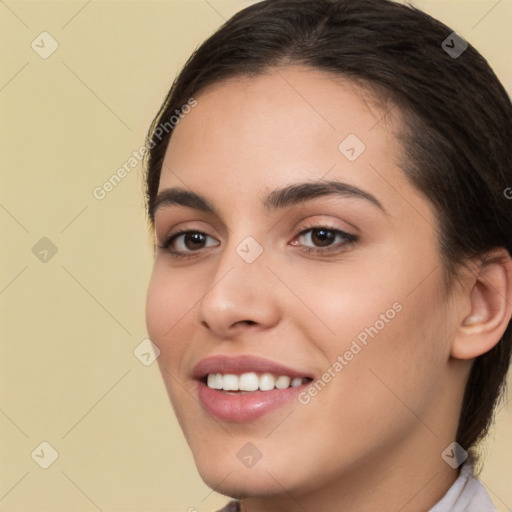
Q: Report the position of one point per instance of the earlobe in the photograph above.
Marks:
(490, 299)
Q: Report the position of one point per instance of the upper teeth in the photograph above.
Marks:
(251, 381)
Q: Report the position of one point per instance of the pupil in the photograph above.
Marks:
(197, 238)
(325, 235)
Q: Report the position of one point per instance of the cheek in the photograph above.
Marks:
(401, 366)
(388, 326)
(166, 310)
(349, 302)
(169, 299)
(158, 307)
(378, 295)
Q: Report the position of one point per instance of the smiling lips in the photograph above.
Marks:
(245, 388)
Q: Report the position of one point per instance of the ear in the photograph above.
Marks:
(489, 299)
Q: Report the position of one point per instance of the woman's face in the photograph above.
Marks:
(270, 284)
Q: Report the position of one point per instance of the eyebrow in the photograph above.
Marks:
(277, 199)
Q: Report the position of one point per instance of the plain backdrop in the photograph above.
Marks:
(74, 268)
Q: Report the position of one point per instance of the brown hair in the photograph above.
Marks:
(457, 118)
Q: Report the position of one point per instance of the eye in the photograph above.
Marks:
(186, 242)
(325, 236)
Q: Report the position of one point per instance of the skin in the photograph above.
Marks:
(372, 438)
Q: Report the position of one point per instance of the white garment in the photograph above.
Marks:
(466, 494)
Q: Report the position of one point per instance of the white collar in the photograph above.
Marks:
(466, 494)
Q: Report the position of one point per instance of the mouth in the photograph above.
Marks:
(244, 388)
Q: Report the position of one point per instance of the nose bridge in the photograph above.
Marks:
(243, 249)
(241, 265)
(239, 289)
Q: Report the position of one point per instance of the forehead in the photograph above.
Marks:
(291, 108)
(254, 134)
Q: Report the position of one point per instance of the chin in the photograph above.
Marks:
(240, 485)
(233, 479)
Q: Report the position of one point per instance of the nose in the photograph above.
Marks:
(239, 295)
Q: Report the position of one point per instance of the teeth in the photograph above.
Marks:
(248, 382)
(251, 381)
(283, 382)
(230, 383)
(267, 382)
(218, 381)
(212, 381)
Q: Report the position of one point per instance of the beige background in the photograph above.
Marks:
(69, 325)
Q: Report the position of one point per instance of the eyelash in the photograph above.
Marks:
(349, 240)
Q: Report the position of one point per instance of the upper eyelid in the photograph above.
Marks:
(315, 223)
(309, 225)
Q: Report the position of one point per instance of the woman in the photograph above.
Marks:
(332, 285)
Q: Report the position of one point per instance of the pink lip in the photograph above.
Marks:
(241, 406)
